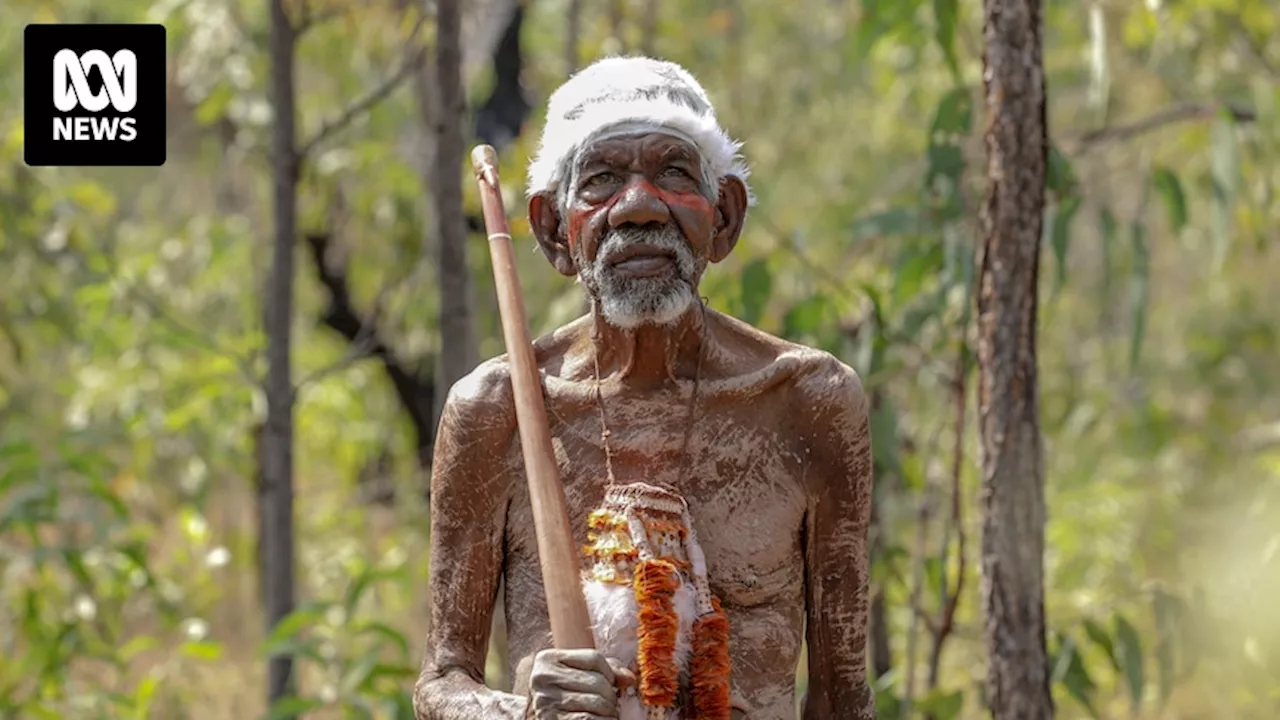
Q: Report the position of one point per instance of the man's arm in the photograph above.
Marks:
(469, 496)
(833, 411)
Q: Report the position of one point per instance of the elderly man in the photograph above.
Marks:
(712, 472)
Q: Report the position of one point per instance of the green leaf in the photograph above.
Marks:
(1129, 653)
(1069, 669)
(916, 264)
(144, 696)
(757, 285)
(357, 588)
(888, 705)
(136, 645)
(933, 579)
(1139, 289)
(387, 633)
(1225, 172)
(942, 705)
(358, 673)
(952, 122)
(805, 318)
(945, 13)
(884, 427)
(1166, 610)
(1175, 200)
(1098, 635)
(214, 107)
(1060, 236)
(291, 707)
(294, 623)
(1108, 228)
(202, 650)
(954, 113)
(1060, 176)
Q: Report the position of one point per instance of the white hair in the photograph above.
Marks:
(628, 95)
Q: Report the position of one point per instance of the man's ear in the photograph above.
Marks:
(544, 220)
(731, 211)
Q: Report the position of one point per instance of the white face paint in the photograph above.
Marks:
(629, 302)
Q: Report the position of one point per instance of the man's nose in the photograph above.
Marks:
(639, 205)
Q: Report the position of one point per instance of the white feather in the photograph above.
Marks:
(614, 619)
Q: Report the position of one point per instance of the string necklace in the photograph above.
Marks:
(690, 412)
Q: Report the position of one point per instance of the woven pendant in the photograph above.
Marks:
(652, 608)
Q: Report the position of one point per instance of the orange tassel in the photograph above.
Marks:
(711, 665)
(655, 585)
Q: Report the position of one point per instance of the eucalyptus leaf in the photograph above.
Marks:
(1225, 172)
(1070, 671)
(1060, 237)
(945, 14)
(756, 286)
(1129, 653)
(1171, 193)
(1098, 636)
(1140, 291)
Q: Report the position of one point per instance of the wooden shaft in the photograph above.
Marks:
(570, 623)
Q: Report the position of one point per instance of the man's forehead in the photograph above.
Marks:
(624, 148)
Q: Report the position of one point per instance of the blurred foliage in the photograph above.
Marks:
(130, 344)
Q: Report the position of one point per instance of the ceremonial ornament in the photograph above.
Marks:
(652, 609)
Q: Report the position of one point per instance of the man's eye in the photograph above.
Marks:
(600, 179)
(675, 172)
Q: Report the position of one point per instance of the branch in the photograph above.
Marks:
(311, 17)
(1179, 113)
(366, 102)
(951, 597)
(414, 392)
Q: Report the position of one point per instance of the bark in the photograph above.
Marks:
(573, 29)
(415, 393)
(1012, 450)
(276, 506)
(617, 14)
(649, 37)
(441, 107)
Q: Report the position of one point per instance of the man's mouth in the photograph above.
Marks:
(642, 260)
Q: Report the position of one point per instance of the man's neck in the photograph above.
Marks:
(649, 355)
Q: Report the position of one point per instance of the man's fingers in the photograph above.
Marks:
(590, 660)
(589, 704)
(623, 678)
(582, 681)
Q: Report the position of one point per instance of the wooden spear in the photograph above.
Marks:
(570, 624)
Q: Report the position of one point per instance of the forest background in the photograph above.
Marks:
(133, 343)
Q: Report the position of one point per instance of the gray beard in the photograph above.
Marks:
(629, 303)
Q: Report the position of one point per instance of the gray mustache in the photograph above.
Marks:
(668, 237)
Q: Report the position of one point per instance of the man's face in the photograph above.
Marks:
(639, 224)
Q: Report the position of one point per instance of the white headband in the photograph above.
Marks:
(617, 96)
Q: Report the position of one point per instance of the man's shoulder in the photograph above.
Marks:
(483, 395)
(486, 390)
(816, 376)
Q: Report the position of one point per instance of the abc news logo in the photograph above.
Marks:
(94, 95)
(71, 90)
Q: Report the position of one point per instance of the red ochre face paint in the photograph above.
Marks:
(680, 204)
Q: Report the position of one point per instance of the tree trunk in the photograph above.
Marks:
(573, 29)
(649, 37)
(442, 106)
(1012, 451)
(277, 441)
(617, 14)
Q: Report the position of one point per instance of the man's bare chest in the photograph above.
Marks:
(738, 467)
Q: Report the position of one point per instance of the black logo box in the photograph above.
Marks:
(147, 149)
